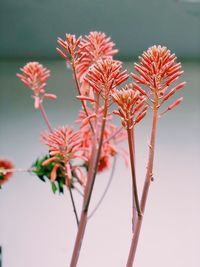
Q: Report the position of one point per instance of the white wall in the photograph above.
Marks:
(38, 228)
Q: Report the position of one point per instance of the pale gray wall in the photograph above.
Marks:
(37, 229)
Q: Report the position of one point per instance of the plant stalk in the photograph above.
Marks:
(45, 117)
(74, 206)
(145, 191)
(88, 192)
(79, 92)
(135, 198)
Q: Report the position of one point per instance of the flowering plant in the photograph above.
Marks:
(76, 157)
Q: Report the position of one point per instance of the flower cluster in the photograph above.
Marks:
(105, 76)
(34, 76)
(132, 105)
(158, 70)
(94, 47)
(64, 146)
(69, 46)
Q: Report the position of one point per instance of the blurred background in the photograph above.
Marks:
(38, 228)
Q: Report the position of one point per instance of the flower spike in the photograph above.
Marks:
(34, 76)
(105, 76)
(94, 47)
(158, 70)
(64, 146)
(132, 105)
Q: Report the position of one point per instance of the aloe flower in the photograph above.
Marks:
(64, 146)
(34, 76)
(158, 70)
(131, 104)
(105, 76)
(95, 46)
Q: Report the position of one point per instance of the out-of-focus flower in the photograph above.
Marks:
(158, 70)
(34, 76)
(64, 146)
(105, 75)
(6, 167)
(132, 105)
(92, 48)
(112, 137)
(70, 46)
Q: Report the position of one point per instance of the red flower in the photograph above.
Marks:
(34, 76)
(6, 167)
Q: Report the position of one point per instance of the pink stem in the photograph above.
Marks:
(79, 91)
(88, 192)
(44, 115)
(147, 183)
(135, 198)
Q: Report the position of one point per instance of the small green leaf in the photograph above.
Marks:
(53, 187)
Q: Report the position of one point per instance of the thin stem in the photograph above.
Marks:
(105, 191)
(88, 191)
(78, 191)
(135, 198)
(79, 92)
(4, 171)
(98, 156)
(74, 206)
(147, 183)
(83, 218)
(45, 117)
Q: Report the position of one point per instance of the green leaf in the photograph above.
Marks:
(53, 187)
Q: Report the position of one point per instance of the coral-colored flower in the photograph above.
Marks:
(6, 167)
(105, 75)
(70, 46)
(158, 70)
(64, 146)
(93, 47)
(112, 137)
(132, 105)
(34, 76)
